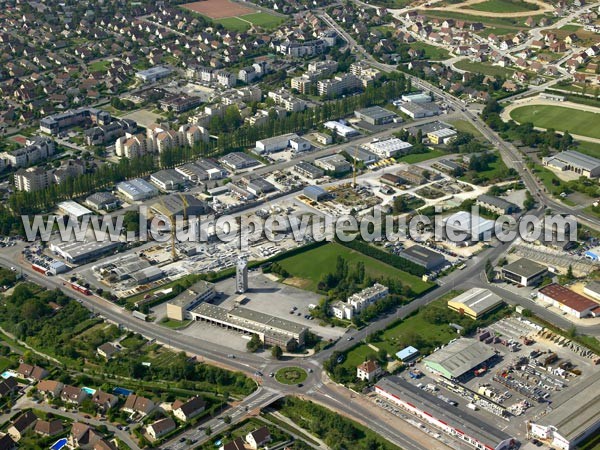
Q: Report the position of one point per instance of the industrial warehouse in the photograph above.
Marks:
(469, 429)
(475, 303)
(459, 358)
(270, 329)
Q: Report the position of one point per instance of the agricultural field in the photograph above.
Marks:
(575, 121)
(504, 6)
(308, 267)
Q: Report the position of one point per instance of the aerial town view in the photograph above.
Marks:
(300, 224)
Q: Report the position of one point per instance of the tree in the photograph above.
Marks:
(276, 352)
(254, 343)
(570, 275)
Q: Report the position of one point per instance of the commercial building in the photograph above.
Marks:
(419, 110)
(316, 193)
(417, 97)
(569, 301)
(80, 252)
(299, 144)
(389, 147)
(574, 416)
(270, 329)
(179, 307)
(74, 210)
(475, 303)
(333, 163)
(376, 115)
(363, 155)
(137, 189)
(432, 411)
(275, 144)
(180, 205)
(461, 227)
(443, 136)
(524, 272)
(424, 257)
(340, 129)
(446, 165)
(167, 179)
(102, 200)
(592, 289)
(241, 276)
(407, 354)
(495, 204)
(153, 74)
(573, 161)
(308, 170)
(147, 275)
(238, 161)
(57, 123)
(459, 358)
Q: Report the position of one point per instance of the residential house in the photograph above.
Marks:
(161, 427)
(185, 411)
(83, 436)
(107, 350)
(21, 424)
(8, 387)
(258, 438)
(137, 404)
(104, 400)
(368, 371)
(48, 428)
(50, 388)
(72, 394)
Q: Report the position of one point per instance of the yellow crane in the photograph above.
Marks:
(171, 218)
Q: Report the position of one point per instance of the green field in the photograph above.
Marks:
(570, 27)
(485, 69)
(243, 23)
(431, 51)
(465, 126)
(98, 66)
(420, 157)
(513, 23)
(588, 148)
(584, 123)
(311, 265)
(504, 6)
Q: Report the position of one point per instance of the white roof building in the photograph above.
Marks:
(75, 210)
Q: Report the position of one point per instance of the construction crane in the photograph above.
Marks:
(171, 218)
(354, 167)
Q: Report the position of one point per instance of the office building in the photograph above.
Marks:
(524, 272)
(241, 276)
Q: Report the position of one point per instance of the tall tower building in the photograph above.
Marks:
(241, 276)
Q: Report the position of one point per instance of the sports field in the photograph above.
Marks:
(311, 265)
(583, 123)
(504, 6)
(234, 16)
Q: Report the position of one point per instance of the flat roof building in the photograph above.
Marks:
(407, 353)
(475, 303)
(179, 307)
(459, 358)
(153, 74)
(459, 227)
(316, 193)
(333, 163)
(275, 144)
(74, 210)
(375, 115)
(389, 147)
(569, 301)
(592, 289)
(102, 200)
(524, 272)
(238, 161)
(423, 257)
(270, 329)
(307, 170)
(495, 204)
(137, 189)
(259, 186)
(340, 128)
(180, 205)
(443, 136)
(584, 165)
(167, 179)
(79, 252)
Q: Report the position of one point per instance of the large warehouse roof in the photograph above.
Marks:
(524, 267)
(461, 356)
(577, 159)
(475, 301)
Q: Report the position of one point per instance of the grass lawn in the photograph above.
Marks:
(588, 148)
(493, 173)
(546, 176)
(591, 210)
(174, 324)
(465, 126)
(357, 356)
(264, 20)
(99, 66)
(291, 375)
(5, 363)
(309, 265)
(504, 6)
(570, 27)
(591, 443)
(485, 69)
(431, 51)
(584, 123)
(233, 23)
(420, 157)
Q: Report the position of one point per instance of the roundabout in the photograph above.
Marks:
(291, 375)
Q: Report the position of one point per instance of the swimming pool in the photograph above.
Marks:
(89, 390)
(8, 374)
(59, 444)
(122, 391)
(218, 443)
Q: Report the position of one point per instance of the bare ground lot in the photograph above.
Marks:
(218, 9)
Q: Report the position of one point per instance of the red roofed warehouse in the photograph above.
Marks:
(568, 301)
